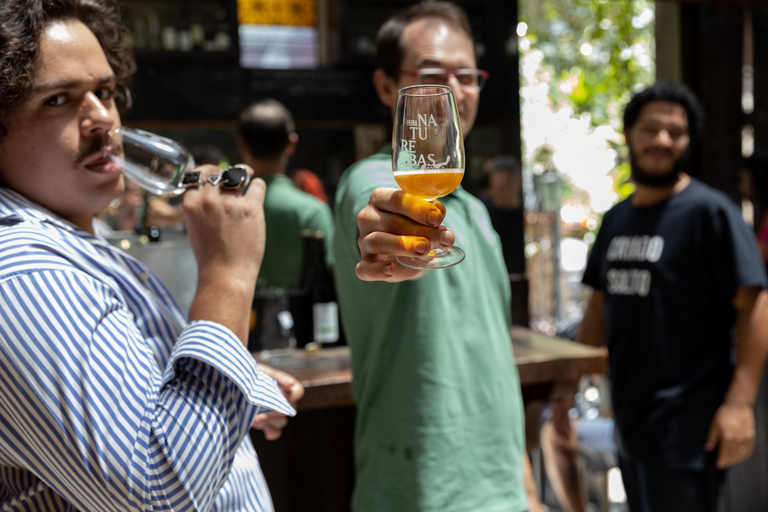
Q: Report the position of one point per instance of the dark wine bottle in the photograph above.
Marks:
(300, 305)
(322, 296)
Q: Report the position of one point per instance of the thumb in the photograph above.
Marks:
(712, 437)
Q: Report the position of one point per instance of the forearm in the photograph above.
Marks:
(96, 418)
(751, 348)
(106, 440)
(225, 300)
(591, 328)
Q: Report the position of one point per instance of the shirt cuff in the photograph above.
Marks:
(218, 347)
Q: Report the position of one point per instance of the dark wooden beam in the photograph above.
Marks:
(712, 37)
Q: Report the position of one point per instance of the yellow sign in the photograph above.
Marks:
(302, 13)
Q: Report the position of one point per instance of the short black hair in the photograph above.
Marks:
(265, 128)
(670, 92)
(21, 24)
(389, 47)
(207, 154)
(502, 163)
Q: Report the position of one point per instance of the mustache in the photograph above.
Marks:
(666, 151)
(94, 147)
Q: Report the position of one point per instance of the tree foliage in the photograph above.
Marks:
(599, 51)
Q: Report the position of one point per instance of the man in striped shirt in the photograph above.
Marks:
(109, 398)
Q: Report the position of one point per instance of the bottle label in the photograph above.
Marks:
(325, 319)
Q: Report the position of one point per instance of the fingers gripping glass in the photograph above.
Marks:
(471, 79)
(428, 156)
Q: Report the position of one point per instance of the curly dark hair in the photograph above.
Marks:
(389, 49)
(21, 25)
(670, 92)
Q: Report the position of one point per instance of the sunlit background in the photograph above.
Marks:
(580, 61)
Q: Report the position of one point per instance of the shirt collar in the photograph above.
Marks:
(15, 207)
(271, 179)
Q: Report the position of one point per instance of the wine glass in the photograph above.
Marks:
(157, 164)
(428, 156)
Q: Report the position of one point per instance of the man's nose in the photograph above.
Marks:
(96, 117)
(663, 138)
(458, 90)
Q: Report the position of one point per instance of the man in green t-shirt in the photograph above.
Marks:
(267, 139)
(440, 417)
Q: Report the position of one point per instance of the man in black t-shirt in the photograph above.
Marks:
(679, 300)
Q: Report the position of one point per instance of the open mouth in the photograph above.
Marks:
(103, 162)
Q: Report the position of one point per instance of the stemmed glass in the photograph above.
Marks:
(157, 164)
(428, 156)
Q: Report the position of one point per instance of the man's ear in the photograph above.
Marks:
(385, 87)
(293, 142)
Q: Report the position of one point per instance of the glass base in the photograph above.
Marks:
(436, 258)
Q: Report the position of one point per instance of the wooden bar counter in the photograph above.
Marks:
(310, 468)
(541, 361)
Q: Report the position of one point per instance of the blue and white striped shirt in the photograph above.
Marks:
(109, 399)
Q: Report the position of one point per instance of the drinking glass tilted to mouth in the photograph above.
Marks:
(157, 164)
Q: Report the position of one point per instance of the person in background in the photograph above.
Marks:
(504, 201)
(123, 213)
(679, 300)
(110, 399)
(306, 180)
(439, 410)
(589, 440)
(266, 139)
(204, 154)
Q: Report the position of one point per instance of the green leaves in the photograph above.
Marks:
(602, 48)
(589, 56)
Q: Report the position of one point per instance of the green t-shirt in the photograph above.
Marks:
(287, 211)
(440, 424)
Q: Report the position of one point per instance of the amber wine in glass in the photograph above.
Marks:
(428, 155)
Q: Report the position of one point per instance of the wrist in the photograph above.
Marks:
(236, 279)
(738, 397)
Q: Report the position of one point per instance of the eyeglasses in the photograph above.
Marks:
(470, 79)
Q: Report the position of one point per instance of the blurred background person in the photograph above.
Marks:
(504, 199)
(266, 139)
(679, 300)
(309, 182)
(586, 446)
(209, 154)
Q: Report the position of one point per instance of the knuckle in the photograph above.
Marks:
(258, 184)
(374, 243)
(208, 204)
(363, 215)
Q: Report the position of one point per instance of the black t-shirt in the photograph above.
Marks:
(669, 273)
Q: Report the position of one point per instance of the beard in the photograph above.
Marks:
(658, 180)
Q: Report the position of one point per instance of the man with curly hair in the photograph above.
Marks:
(678, 298)
(110, 399)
